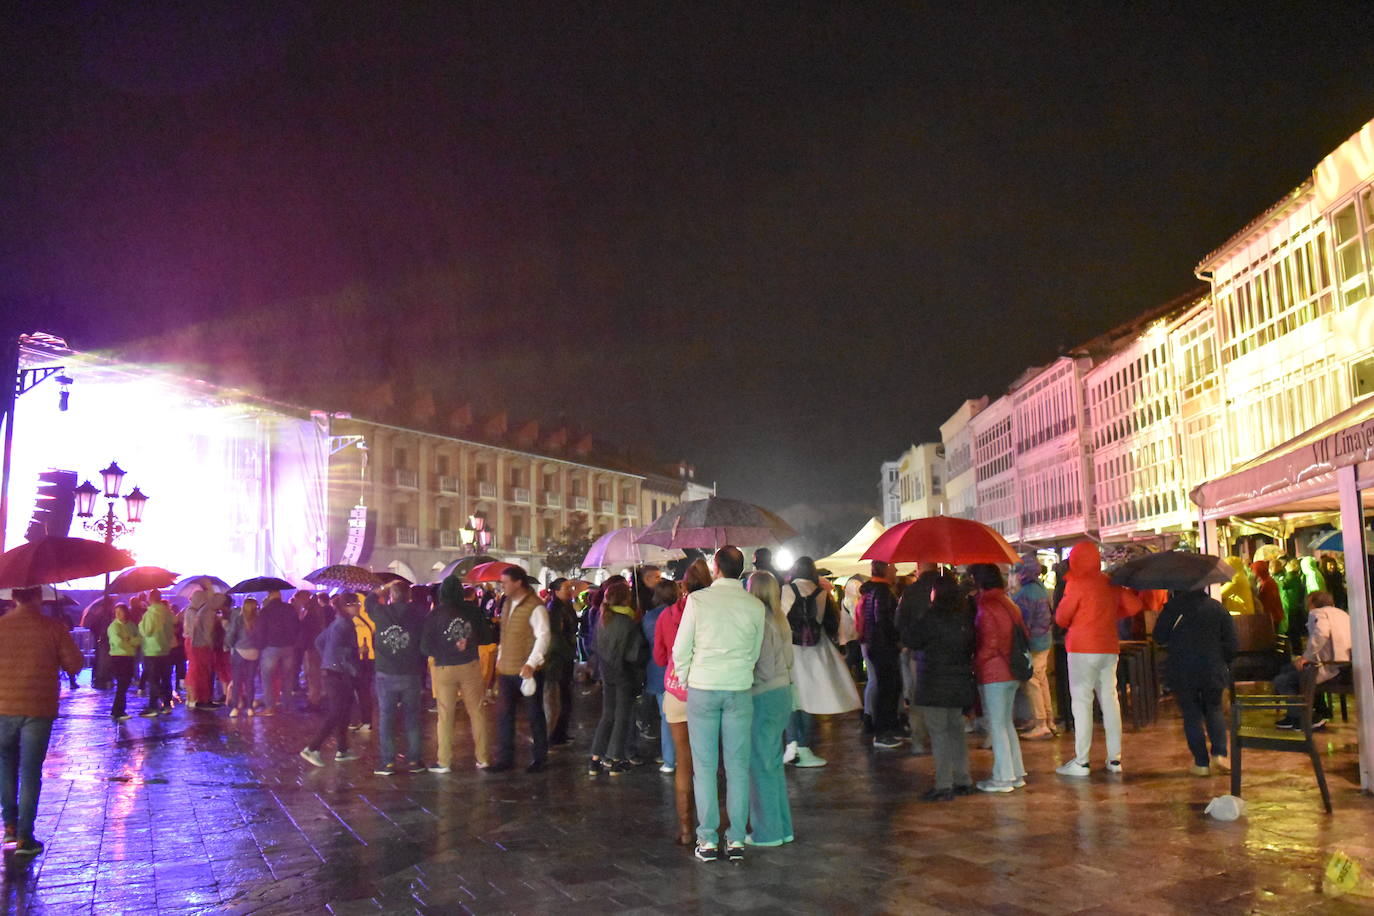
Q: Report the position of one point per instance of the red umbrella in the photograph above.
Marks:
(941, 539)
(140, 579)
(59, 559)
(487, 572)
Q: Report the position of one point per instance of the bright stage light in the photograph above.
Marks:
(783, 559)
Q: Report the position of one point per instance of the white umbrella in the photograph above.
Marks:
(618, 548)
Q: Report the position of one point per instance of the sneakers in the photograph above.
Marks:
(345, 756)
(387, 770)
(11, 834)
(1200, 770)
(887, 742)
(312, 757)
(148, 714)
(1113, 766)
(619, 768)
(1222, 763)
(1073, 768)
(122, 717)
(440, 769)
(28, 848)
(935, 795)
(735, 852)
(593, 766)
(707, 853)
(1319, 723)
(234, 713)
(789, 753)
(416, 766)
(995, 785)
(1287, 723)
(807, 759)
(667, 768)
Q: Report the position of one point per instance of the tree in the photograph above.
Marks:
(569, 548)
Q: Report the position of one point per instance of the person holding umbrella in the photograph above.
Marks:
(1201, 638)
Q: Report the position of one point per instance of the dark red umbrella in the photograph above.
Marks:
(941, 539)
(59, 559)
(140, 579)
(487, 572)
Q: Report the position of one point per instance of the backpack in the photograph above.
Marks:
(1021, 668)
(806, 629)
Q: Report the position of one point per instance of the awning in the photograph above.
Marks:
(1299, 470)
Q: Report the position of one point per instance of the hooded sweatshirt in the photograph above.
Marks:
(1034, 602)
(1236, 596)
(1092, 604)
(1312, 578)
(1269, 599)
(397, 640)
(1294, 597)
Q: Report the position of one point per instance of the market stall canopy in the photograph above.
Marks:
(1300, 470)
(848, 560)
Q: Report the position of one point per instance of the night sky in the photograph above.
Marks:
(783, 243)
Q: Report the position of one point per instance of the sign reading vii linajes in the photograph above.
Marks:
(357, 536)
(1348, 446)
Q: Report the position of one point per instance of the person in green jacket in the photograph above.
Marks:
(124, 639)
(1293, 594)
(158, 630)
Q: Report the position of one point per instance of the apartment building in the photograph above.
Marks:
(889, 492)
(994, 468)
(1054, 476)
(961, 495)
(921, 481)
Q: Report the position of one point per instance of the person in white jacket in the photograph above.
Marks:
(823, 683)
(1328, 645)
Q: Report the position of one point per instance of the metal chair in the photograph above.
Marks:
(1268, 738)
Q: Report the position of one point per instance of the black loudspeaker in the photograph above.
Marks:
(55, 505)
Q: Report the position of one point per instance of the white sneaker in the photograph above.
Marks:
(790, 752)
(667, 768)
(440, 768)
(994, 785)
(807, 759)
(312, 757)
(1073, 768)
(1113, 766)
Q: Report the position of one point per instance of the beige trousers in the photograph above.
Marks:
(465, 681)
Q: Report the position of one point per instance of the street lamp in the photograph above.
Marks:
(109, 526)
(475, 535)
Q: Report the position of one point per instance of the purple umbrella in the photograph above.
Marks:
(713, 522)
(619, 548)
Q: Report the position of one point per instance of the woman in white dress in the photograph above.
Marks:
(823, 683)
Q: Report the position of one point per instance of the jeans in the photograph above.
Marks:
(122, 668)
(157, 669)
(948, 745)
(870, 684)
(391, 690)
(23, 745)
(450, 682)
(245, 678)
(1006, 747)
(885, 667)
(770, 815)
(1289, 681)
(338, 702)
(617, 718)
(276, 662)
(665, 736)
(801, 728)
(1202, 706)
(915, 719)
(1089, 673)
(509, 699)
(720, 722)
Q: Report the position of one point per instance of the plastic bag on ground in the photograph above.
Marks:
(1226, 807)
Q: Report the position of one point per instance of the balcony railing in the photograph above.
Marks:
(605, 506)
(580, 503)
(404, 477)
(631, 510)
(447, 539)
(448, 484)
(553, 500)
(405, 537)
(522, 545)
(486, 489)
(520, 494)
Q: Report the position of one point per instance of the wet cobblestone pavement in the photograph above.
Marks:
(198, 813)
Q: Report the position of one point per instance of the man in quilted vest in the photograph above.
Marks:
(520, 656)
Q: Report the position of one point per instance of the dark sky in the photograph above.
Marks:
(783, 242)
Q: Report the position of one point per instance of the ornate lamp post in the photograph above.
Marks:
(475, 535)
(108, 525)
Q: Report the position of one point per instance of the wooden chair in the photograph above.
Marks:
(1342, 685)
(1268, 738)
(1259, 657)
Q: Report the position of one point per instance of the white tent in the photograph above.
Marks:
(845, 561)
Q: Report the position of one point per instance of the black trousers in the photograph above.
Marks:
(887, 668)
(158, 671)
(509, 700)
(122, 668)
(1203, 720)
(338, 703)
(617, 718)
(558, 729)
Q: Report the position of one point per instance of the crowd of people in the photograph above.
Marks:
(721, 669)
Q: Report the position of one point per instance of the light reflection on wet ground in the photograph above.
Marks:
(197, 813)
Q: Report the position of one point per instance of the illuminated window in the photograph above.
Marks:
(1362, 375)
(1349, 242)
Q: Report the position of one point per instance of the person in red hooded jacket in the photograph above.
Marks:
(1268, 597)
(1090, 610)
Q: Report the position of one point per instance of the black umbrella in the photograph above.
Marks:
(1175, 570)
(462, 566)
(261, 584)
(389, 577)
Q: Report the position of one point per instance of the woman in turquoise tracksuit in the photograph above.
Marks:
(770, 815)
